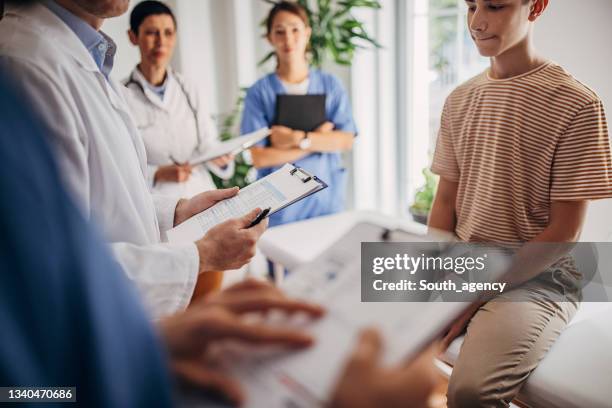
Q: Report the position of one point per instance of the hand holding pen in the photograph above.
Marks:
(260, 217)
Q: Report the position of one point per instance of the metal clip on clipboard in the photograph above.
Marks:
(302, 174)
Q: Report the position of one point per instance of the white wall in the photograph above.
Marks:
(577, 34)
(204, 42)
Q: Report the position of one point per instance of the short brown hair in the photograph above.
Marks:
(290, 7)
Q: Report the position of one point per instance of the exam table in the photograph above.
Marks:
(577, 372)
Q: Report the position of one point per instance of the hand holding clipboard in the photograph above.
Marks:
(276, 191)
(262, 215)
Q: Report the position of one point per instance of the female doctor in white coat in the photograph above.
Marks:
(171, 116)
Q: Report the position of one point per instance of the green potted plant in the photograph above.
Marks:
(424, 196)
(244, 173)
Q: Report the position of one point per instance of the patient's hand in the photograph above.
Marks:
(366, 384)
(190, 334)
(459, 325)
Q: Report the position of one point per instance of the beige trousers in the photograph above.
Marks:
(507, 338)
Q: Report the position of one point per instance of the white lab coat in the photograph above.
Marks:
(100, 152)
(168, 128)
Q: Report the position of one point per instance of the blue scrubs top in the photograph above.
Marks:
(259, 111)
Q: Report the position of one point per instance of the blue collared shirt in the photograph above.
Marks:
(101, 47)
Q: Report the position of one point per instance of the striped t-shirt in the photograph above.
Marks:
(515, 145)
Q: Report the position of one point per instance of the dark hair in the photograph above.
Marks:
(288, 6)
(145, 9)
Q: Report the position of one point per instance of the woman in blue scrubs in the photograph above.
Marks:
(318, 152)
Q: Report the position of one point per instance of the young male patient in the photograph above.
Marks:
(522, 149)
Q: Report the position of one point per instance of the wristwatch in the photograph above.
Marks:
(305, 142)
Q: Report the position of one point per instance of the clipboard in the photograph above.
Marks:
(276, 191)
(306, 378)
(232, 146)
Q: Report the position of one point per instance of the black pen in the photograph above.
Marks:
(260, 217)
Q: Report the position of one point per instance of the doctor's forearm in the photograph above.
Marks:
(270, 156)
(335, 141)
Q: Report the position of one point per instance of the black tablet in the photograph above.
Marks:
(300, 112)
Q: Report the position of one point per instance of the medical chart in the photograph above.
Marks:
(232, 146)
(277, 190)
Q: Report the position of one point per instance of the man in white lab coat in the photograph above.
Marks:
(63, 62)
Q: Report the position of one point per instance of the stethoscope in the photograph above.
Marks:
(132, 81)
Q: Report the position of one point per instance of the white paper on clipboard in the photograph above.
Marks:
(278, 190)
(232, 146)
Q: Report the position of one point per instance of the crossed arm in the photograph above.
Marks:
(285, 144)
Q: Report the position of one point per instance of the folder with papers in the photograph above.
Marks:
(302, 112)
(276, 191)
(232, 146)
